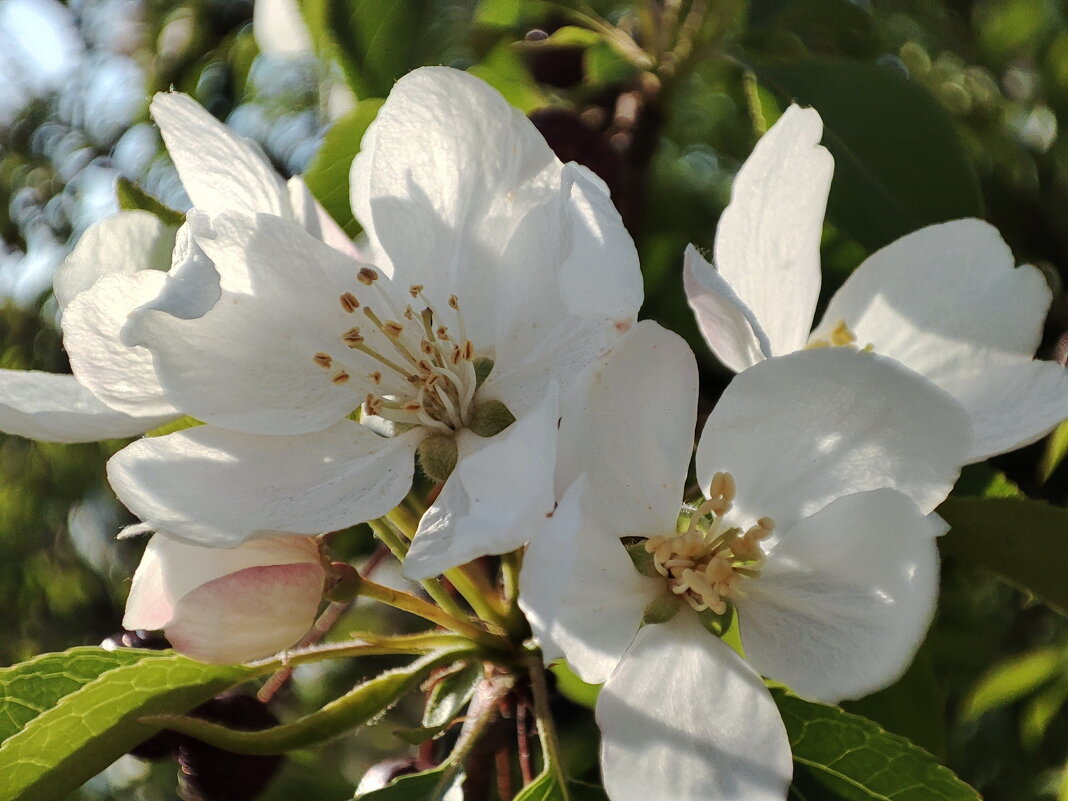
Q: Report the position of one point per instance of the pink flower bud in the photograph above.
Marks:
(227, 605)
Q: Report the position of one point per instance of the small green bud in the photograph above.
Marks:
(483, 366)
(490, 418)
(342, 582)
(437, 456)
(642, 559)
(662, 609)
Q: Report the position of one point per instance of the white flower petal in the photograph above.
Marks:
(1012, 405)
(216, 487)
(801, 430)
(126, 242)
(246, 615)
(316, 220)
(121, 376)
(684, 718)
(768, 238)
(730, 328)
(480, 509)
(600, 276)
(443, 148)
(845, 598)
(579, 589)
(944, 300)
(248, 363)
(219, 170)
(52, 407)
(629, 426)
(171, 568)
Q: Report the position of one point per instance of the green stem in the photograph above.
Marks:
(351, 710)
(472, 587)
(417, 606)
(369, 645)
(550, 745)
(397, 546)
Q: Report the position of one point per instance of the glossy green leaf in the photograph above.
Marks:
(858, 760)
(328, 175)
(430, 785)
(898, 162)
(504, 70)
(1056, 450)
(545, 787)
(353, 709)
(84, 723)
(1023, 541)
(1015, 678)
(134, 198)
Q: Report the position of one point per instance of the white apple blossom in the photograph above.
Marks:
(946, 301)
(820, 471)
(118, 265)
(498, 274)
(227, 605)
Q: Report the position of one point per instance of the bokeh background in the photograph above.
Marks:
(959, 105)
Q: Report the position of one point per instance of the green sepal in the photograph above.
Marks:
(662, 609)
(438, 456)
(490, 418)
(717, 624)
(641, 558)
(483, 367)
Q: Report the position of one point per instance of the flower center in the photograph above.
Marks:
(707, 563)
(841, 336)
(418, 359)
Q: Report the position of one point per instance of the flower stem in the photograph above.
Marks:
(480, 714)
(550, 745)
(474, 588)
(417, 606)
(396, 544)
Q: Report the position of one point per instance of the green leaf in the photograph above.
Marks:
(1056, 450)
(573, 688)
(504, 70)
(425, 786)
(83, 723)
(1023, 541)
(328, 175)
(450, 695)
(859, 761)
(1015, 678)
(378, 41)
(133, 197)
(898, 162)
(181, 424)
(545, 787)
(353, 709)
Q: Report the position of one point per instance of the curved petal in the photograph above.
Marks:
(730, 328)
(125, 242)
(845, 598)
(249, 362)
(768, 238)
(443, 148)
(579, 589)
(121, 376)
(684, 718)
(629, 426)
(215, 487)
(171, 568)
(219, 170)
(53, 407)
(253, 613)
(944, 300)
(799, 431)
(501, 488)
(1011, 406)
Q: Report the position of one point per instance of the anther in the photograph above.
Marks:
(349, 302)
(366, 276)
(454, 302)
(415, 289)
(352, 337)
(393, 328)
(340, 377)
(323, 360)
(376, 377)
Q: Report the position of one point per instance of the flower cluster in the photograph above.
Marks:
(484, 328)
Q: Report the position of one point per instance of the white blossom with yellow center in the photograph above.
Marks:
(492, 275)
(946, 301)
(819, 472)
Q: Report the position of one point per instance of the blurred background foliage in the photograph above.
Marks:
(934, 109)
